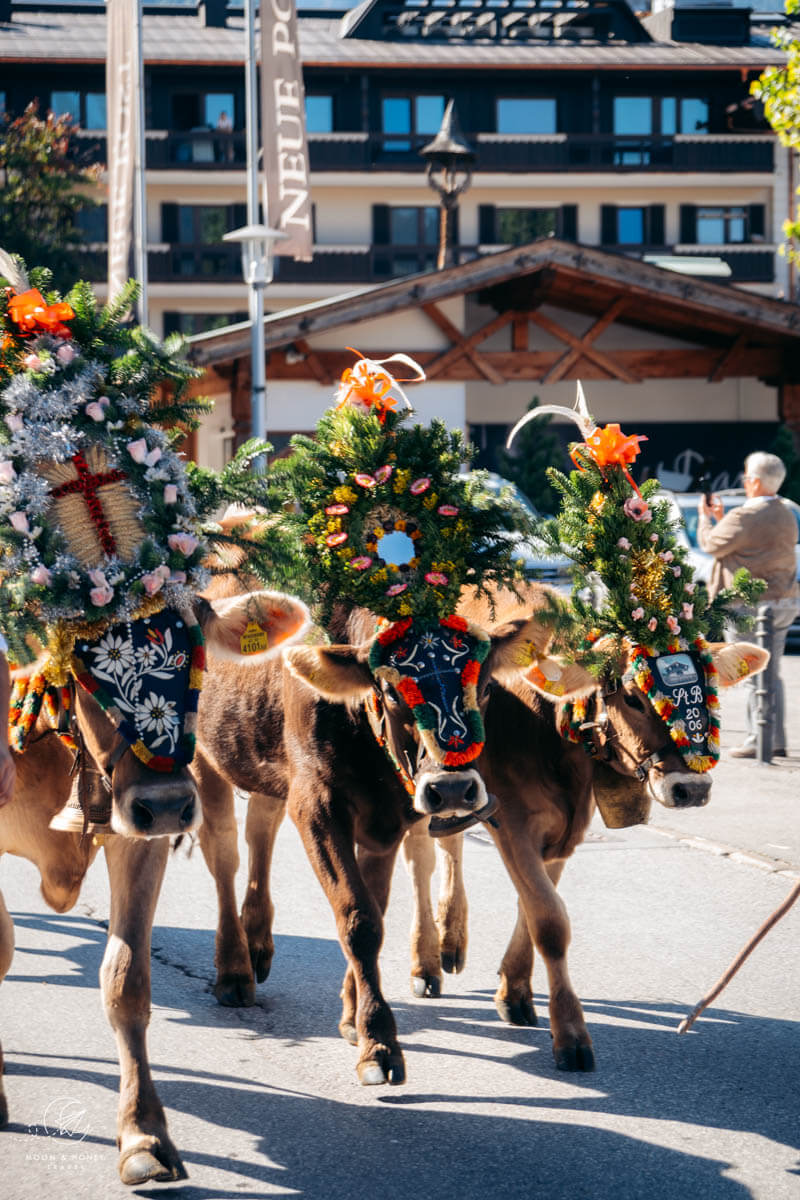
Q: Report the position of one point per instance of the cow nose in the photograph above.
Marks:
(690, 793)
(174, 813)
(450, 791)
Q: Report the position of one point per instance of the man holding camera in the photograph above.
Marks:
(760, 535)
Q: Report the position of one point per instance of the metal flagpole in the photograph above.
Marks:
(258, 394)
(140, 185)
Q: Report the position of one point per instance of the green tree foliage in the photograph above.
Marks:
(778, 88)
(535, 449)
(44, 187)
(784, 447)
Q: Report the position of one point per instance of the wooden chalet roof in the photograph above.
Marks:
(719, 330)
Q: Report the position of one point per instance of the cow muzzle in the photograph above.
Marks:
(157, 810)
(680, 789)
(440, 792)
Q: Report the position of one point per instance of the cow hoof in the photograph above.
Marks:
(3, 1109)
(262, 963)
(235, 991)
(384, 1067)
(517, 1012)
(578, 1057)
(454, 961)
(426, 985)
(348, 1032)
(140, 1165)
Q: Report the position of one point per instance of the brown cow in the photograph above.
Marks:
(546, 789)
(147, 808)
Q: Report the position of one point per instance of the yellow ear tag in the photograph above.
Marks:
(254, 640)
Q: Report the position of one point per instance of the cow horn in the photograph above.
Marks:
(579, 414)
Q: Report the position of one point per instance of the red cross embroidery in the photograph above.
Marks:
(88, 484)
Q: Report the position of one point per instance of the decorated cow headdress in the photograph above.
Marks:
(100, 539)
(386, 520)
(653, 616)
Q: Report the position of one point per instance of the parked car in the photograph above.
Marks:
(687, 505)
(537, 560)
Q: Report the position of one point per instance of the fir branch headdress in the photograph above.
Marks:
(382, 514)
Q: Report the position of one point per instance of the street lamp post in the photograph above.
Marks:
(256, 242)
(449, 157)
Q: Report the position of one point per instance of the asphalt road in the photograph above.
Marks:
(264, 1101)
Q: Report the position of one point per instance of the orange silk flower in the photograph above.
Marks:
(610, 447)
(360, 385)
(30, 312)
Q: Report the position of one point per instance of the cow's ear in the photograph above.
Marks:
(518, 649)
(254, 626)
(736, 660)
(338, 673)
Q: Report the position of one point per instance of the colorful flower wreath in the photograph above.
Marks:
(97, 524)
(666, 709)
(384, 515)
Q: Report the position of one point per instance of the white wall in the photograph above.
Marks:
(297, 404)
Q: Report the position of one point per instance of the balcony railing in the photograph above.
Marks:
(216, 150)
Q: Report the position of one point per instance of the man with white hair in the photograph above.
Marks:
(760, 535)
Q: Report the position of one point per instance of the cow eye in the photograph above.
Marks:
(633, 701)
(390, 694)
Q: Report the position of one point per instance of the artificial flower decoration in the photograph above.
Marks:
(369, 386)
(31, 313)
(380, 512)
(623, 537)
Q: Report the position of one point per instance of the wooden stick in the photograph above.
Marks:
(725, 979)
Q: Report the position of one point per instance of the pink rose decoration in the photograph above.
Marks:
(65, 354)
(178, 577)
(672, 625)
(364, 480)
(95, 410)
(19, 521)
(153, 582)
(335, 539)
(623, 543)
(420, 485)
(361, 562)
(337, 510)
(185, 543)
(42, 576)
(170, 493)
(637, 613)
(7, 472)
(676, 571)
(32, 362)
(436, 578)
(101, 596)
(383, 473)
(447, 510)
(396, 589)
(653, 537)
(152, 458)
(635, 508)
(14, 422)
(687, 611)
(690, 588)
(666, 555)
(652, 624)
(98, 578)
(138, 450)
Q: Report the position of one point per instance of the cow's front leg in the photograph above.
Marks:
(6, 955)
(452, 913)
(329, 845)
(426, 961)
(548, 925)
(219, 837)
(135, 869)
(264, 815)
(514, 997)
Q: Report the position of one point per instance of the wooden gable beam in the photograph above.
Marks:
(601, 324)
(611, 366)
(726, 358)
(463, 347)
